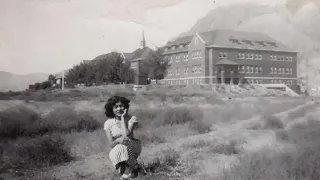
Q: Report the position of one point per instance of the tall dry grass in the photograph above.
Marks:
(69, 132)
(300, 162)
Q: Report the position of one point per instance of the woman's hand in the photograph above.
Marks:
(123, 114)
(122, 140)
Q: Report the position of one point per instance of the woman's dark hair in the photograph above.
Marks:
(112, 101)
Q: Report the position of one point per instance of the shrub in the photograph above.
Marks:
(23, 122)
(66, 119)
(26, 153)
(18, 121)
(272, 122)
(228, 148)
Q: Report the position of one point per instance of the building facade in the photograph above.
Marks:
(225, 56)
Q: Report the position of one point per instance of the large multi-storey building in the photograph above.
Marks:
(225, 56)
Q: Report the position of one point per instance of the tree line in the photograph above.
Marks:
(110, 68)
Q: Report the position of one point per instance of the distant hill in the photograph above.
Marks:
(300, 31)
(13, 82)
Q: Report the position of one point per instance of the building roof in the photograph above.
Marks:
(141, 53)
(127, 55)
(226, 62)
(180, 40)
(236, 39)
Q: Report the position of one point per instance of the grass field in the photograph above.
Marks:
(191, 135)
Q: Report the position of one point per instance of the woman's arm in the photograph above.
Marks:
(112, 142)
(132, 124)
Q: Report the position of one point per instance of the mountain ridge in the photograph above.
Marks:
(15, 82)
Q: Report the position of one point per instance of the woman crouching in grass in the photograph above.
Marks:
(119, 127)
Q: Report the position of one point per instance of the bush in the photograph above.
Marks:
(272, 122)
(66, 119)
(23, 122)
(18, 121)
(26, 153)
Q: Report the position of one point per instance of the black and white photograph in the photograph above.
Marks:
(159, 89)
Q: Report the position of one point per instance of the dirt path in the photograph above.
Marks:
(96, 166)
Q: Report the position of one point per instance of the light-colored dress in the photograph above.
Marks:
(123, 153)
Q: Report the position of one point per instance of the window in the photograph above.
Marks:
(257, 69)
(177, 71)
(275, 70)
(260, 69)
(260, 81)
(248, 56)
(185, 57)
(272, 81)
(196, 41)
(194, 69)
(248, 69)
(186, 70)
(271, 57)
(252, 70)
(173, 48)
(178, 58)
(223, 55)
(181, 46)
(290, 72)
(166, 49)
(257, 57)
(260, 57)
(290, 59)
(239, 56)
(275, 58)
(200, 68)
(243, 69)
(251, 56)
(271, 70)
(243, 56)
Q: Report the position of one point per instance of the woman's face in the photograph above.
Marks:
(118, 109)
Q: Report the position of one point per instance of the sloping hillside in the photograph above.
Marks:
(13, 82)
(299, 31)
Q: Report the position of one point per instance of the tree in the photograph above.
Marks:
(52, 78)
(157, 66)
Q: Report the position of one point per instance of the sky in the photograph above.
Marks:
(51, 35)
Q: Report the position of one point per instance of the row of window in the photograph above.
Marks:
(273, 81)
(250, 69)
(198, 55)
(254, 81)
(174, 47)
(176, 58)
(287, 82)
(250, 81)
(257, 56)
(280, 58)
(249, 56)
(274, 70)
(195, 69)
(186, 81)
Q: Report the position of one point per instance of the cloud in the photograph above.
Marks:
(51, 35)
(295, 5)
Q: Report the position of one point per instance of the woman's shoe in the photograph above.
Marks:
(122, 169)
(134, 173)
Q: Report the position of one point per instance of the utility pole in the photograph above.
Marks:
(62, 80)
(307, 78)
